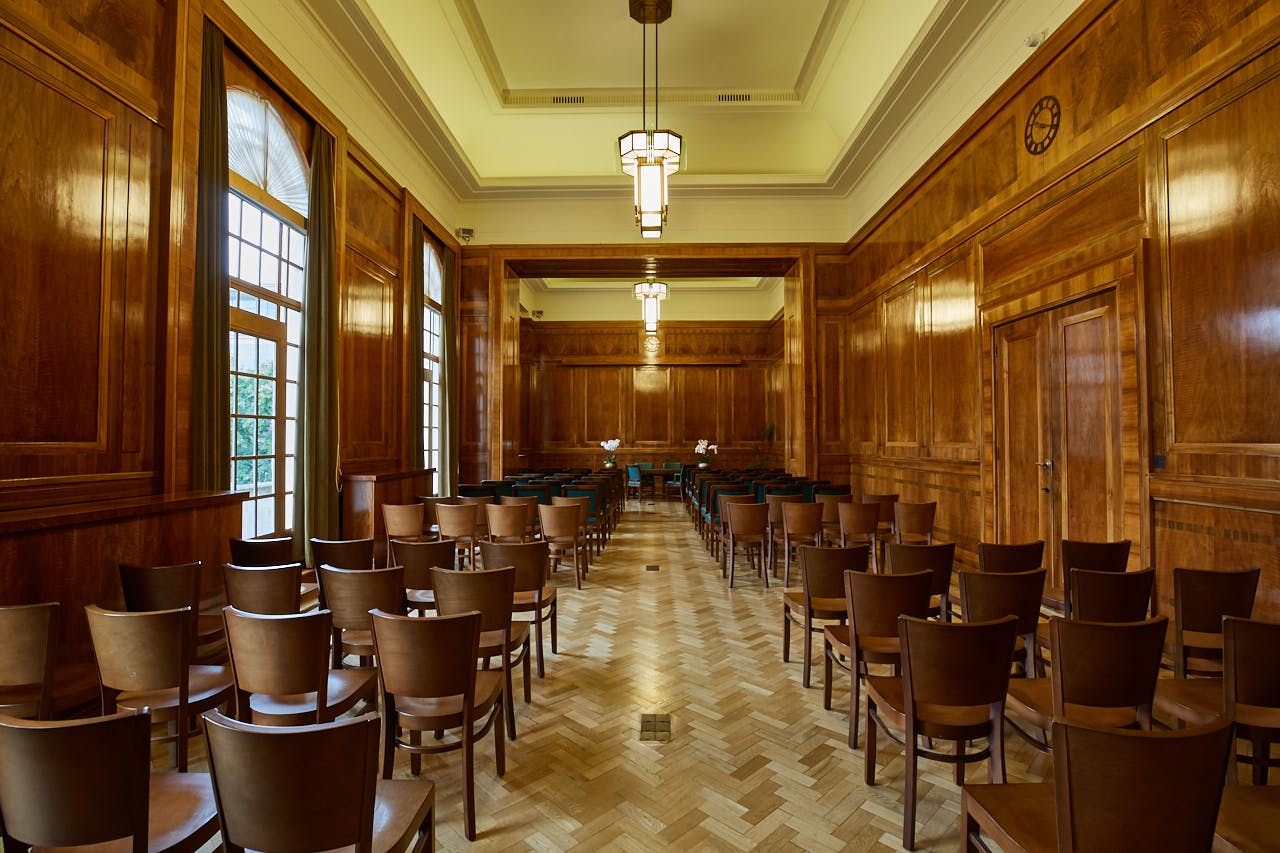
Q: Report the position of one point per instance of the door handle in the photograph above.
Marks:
(1047, 465)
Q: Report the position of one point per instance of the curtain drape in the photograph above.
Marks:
(318, 470)
(210, 356)
(446, 477)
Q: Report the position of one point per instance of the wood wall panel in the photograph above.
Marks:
(747, 418)
(651, 405)
(833, 360)
(369, 360)
(602, 403)
(862, 410)
(374, 216)
(957, 490)
(953, 413)
(560, 417)
(700, 407)
(902, 373)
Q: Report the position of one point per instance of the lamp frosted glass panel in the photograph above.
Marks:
(651, 233)
(650, 189)
(651, 312)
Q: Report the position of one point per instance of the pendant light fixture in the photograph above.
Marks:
(650, 155)
(650, 293)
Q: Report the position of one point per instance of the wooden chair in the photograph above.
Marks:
(1112, 790)
(940, 560)
(341, 554)
(985, 596)
(26, 659)
(749, 530)
(1201, 598)
(144, 662)
(775, 502)
(482, 518)
(262, 552)
(1010, 556)
(831, 512)
(719, 523)
(418, 559)
(492, 593)
(1093, 557)
(401, 521)
(1111, 596)
(1248, 819)
(870, 632)
(885, 501)
(530, 504)
(89, 781)
(148, 588)
(821, 595)
(801, 525)
(458, 522)
(350, 594)
(280, 663)
(430, 683)
(1104, 675)
(953, 685)
(507, 523)
(859, 524)
(293, 789)
(561, 530)
(264, 589)
(534, 594)
(913, 522)
(1251, 687)
(583, 503)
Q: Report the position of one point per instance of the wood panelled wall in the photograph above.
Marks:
(582, 383)
(1138, 249)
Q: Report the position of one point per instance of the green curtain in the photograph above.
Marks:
(447, 476)
(413, 399)
(318, 470)
(210, 356)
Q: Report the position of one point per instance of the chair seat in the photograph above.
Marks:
(445, 712)
(491, 641)
(400, 807)
(1193, 700)
(1249, 818)
(949, 721)
(1032, 700)
(1257, 716)
(1202, 640)
(208, 627)
(357, 642)
(837, 636)
(1014, 813)
(346, 688)
(209, 687)
(523, 602)
(823, 608)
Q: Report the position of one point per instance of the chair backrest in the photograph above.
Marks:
(802, 519)
(989, 595)
(476, 490)
(913, 522)
(351, 593)
(1106, 665)
(583, 504)
(160, 587)
(1126, 790)
(559, 521)
(831, 504)
(279, 654)
(748, 519)
(141, 651)
(955, 664)
(262, 552)
(264, 589)
(403, 521)
(478, 500)
(530, 504)
(858, 520)
(938, 559)
(1093, 557)
(1202, 597)
(1250, 663)
(26, 659)
(874, 602)
(886, 502)
(428, 658)
(822, 569)
(489, 591)
(429, 504)
(74, 782)
(507, 521)
(1111, 596)
(588, 491)
(529, 559)
(419, 558)
(457, 521)
(726, 496)
(775, 501)
(342, 553)
(294, 788)
(1010, 557)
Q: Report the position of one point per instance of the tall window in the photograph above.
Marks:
(432, 344)
(267, 251)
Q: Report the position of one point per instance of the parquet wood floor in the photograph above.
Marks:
(753, 762)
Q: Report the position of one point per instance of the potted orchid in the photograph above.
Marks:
(611, 446)
(703, 450)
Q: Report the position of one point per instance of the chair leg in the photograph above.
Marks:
(855, 690)
(528, 682)
(388, 743)
(415, 758)
(469, 783)
(554, 607)
(909, 794)
(827, 669)
(537, 637)
(959, 767)
(509, 698)
(869, 764)
(995, 745)
(786, 634)
(807, 637)
(499, 742)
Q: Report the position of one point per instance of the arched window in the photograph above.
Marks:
(267, 253)
(432, 345)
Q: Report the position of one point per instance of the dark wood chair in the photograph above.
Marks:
(859, 525)
(418, 558)
(562, 531)
(276, 551)
(534, 593)
(26, 659)
(831, 512)
(169, 587)
(953, 685)
(506, 522)
(1251, 687)
(280, 663)
(913, 522)
(1248, 819)
(1201, 598)
(401, 521)
(430, 683)
(349, 594)
(939, 560)
(1092, 557)
(460, 522)
(264, 589)
(985, 596)
(801, 525)
(144, 663)
(748, 530)
(1112, 790)
(1010, 556)
(313, 788)
(491, 592)
(885, 501)
(1104, 675)
(820, 597)
(1111, 596)
(341, 554)
(869, 635)
(89, 781)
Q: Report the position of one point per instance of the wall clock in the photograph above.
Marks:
(1042, 125)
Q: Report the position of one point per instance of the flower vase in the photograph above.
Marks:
(704, 464)
(608, 464)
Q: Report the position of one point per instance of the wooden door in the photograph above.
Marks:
(1058, 438)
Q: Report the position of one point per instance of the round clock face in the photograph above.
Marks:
(1042, 124)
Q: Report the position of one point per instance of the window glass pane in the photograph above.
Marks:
(244, 475)
(247, 516)
(233, 213)
(270, 235)
(266, 438)
(244, 437)
(267, 358)
(266, 476)
(297, 248)
(288, 512)
(248, 264)
(266, 397)
(246, 402)
(270, 272)
(291, 400)
(267, 309)
(293, 326)
(266, 514)
(233, 257)
(251, 224)
(296, 283)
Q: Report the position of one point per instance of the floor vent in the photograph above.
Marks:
(655, 727)
(652, 567)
